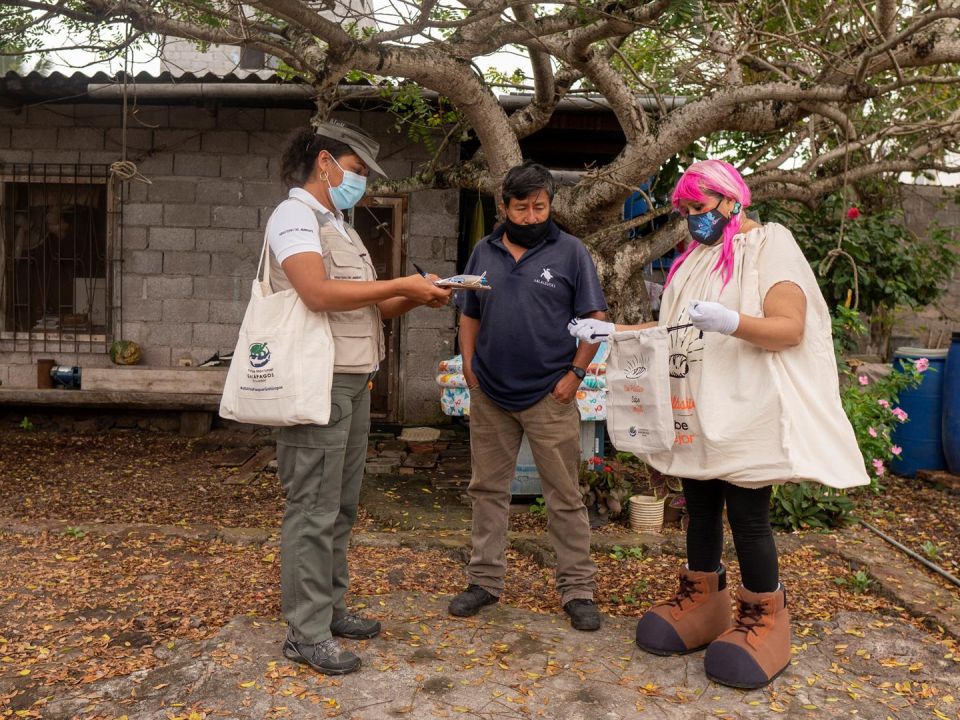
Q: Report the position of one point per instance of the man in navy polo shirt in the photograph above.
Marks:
(523, 369)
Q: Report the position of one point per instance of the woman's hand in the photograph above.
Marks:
(439, 303)
(713, 317)
(422, 290)
(590, 330)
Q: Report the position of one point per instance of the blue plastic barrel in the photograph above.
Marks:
(920, 436)
(951, 407)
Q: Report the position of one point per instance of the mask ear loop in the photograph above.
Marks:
(737, 207)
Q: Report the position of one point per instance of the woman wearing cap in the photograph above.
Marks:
(314, 251)
(754, 377)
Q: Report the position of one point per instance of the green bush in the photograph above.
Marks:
(805, 506)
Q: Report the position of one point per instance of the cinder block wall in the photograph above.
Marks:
(191, 239)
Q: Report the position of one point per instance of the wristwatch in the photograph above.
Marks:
(577, 370)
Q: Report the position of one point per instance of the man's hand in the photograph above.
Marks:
(713, 317)
(590, 330)
(565, 390)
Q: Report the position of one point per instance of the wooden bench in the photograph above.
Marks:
(194, 392)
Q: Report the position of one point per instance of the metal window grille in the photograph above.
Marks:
(58, 275)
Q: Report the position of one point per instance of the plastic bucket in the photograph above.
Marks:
(950, 430)
(646, 513)
(920, 436)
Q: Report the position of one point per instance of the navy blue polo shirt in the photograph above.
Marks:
(523, 347)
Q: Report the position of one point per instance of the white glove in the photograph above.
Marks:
(713, 317)
(589, 330)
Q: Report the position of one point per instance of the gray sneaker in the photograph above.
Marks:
(325, 656)
(354, 627)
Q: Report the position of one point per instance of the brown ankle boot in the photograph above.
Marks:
(697, 614)
(757, 649)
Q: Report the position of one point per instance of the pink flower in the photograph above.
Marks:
(863, 380)
(873, 432)
(900, 414)
(883, 403)
(853, 213)
(607, 468)
(878, 467)
(896, 450)
(921, 364)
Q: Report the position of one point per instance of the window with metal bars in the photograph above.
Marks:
(55, 254)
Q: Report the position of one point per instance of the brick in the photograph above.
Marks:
(186, 215)
(191, 310)
(229, 312)
(235, 217)
(244, 166)
(219, 335)
(186, 263)
(138, 309)
(216, 288)
(168, 288)
(218, 240)
(172, 190)
(225, 141)
(192, 117)
(142, 214)
(164, 238)
(144, 262)
(80, 138)
(240, 118)
(165, 140)
(47, 115)
(196, 165)
(220, 192)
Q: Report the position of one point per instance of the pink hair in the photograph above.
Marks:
(705, 180)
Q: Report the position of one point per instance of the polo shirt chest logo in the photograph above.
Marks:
(546, 278)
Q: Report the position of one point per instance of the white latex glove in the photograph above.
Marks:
(589, 330)
(713, 317)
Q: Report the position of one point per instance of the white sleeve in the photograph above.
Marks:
(292, 229)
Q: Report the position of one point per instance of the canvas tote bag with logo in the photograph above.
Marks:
(282, 369)
(639, 416)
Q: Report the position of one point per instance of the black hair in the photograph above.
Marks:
(523, 180)
(300, 155)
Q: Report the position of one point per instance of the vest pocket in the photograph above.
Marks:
(345, 265)
(354, 344)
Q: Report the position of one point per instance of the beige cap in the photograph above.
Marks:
(362, 144)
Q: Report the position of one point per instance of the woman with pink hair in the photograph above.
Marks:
(756, 402)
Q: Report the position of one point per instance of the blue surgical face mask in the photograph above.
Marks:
(350, 190)
(706, 228)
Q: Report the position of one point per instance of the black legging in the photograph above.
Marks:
(748, 510)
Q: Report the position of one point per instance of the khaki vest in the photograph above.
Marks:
(357, 334)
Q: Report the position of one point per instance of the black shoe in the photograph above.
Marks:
(325, 656)
(354, 627)
(583, 614)
(470, 601)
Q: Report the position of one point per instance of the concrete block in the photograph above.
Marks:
(135, 192)
(443, 225)
(133, 286)
(196, 165)
(226, 264)
(218, 240)
(56, 157)
(100, 115)
(264, 192)
(168, 288)
(154, 355)
(134, 238)
(235, 217)
(170, 238)
(172, 190)
(155, 166)
(143, 262)
(80, 138)
(98, 157)
(5, 135)
(148, 214)
(138, 139)
(244, 166)
(138, 309)
(12, 157)
(40, 116)
(228, 312)
(222, 336)
(220, 192)
(186, 263)
(225, 141)
(188, 116)
(286, 119)
(185, 311)
(166, 140)
(240, 118)
(223, 289)
(193, 215)
(269, 144)
(22, 376)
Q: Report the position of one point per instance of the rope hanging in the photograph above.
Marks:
(827, 263)
(124, 169)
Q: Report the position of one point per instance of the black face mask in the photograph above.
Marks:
(527, 235)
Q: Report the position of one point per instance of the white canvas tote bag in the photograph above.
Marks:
(639, 416)
(282, 369)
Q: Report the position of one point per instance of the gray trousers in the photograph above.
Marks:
(553, 430)
(320, 468)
